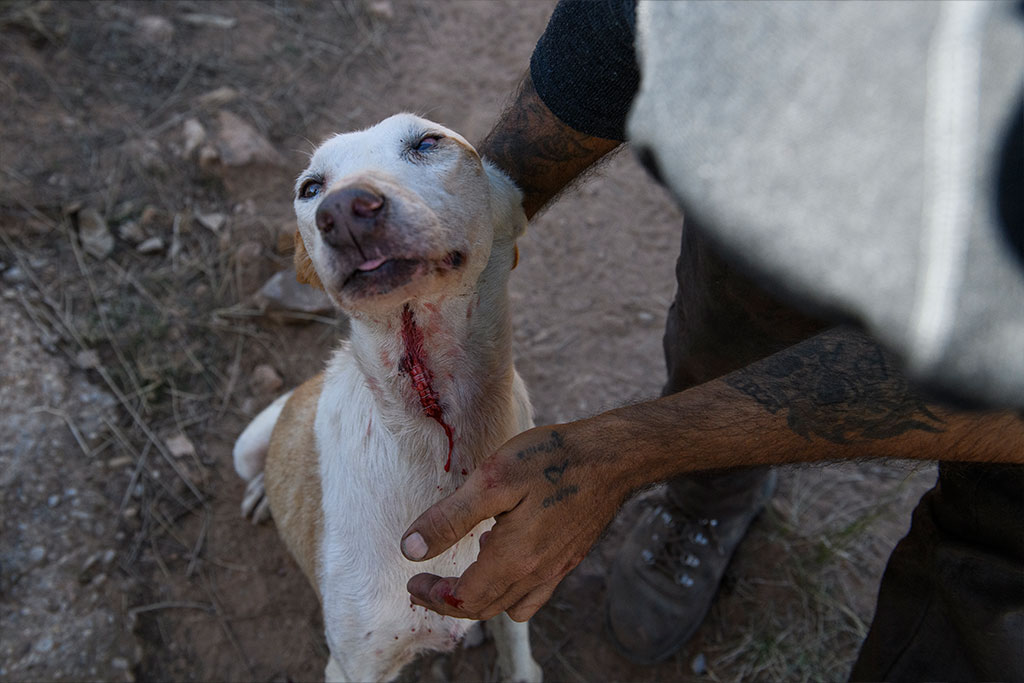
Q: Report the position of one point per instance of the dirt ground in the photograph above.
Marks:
(147, 152)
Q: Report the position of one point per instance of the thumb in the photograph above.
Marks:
(451, 518)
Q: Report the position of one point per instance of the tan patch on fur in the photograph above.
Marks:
(293, 479)
(304, 270)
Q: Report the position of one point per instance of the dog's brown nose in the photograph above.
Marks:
(355, 207)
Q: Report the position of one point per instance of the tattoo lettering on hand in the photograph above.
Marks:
(555, 472)
(553, 443)
(559, 495)
(839, 387)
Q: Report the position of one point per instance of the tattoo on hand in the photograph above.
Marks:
(839, 387)
(553, 443)
(555, 472)
(559, 495)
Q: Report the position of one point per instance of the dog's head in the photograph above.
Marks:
(402, 210)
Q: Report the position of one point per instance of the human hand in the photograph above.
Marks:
(551, 490)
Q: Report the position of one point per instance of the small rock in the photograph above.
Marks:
(265, 379)
(283, 293)
(381, 9)
(87, 359)
(109, 555)
(154, 220)
(208, 157)
(14, 275)
(180, 446)
(247, 262)
(218, 97)
(53, 501)
(148, 156)
(194, 135)
(154, 29)
(131, 231)
(151, 246)
(37, 554)
(44, 645)
(699, 665)
(211, 20)
(124, 210)
(94, 233)
(119, 663)
(212, 221)
(240, 144)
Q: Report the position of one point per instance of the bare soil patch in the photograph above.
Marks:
(147, 154)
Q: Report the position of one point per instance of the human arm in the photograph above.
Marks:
(539, 152)
(836, 396)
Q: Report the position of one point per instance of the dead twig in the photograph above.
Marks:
(170, 604)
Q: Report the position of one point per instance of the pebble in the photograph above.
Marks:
(154, 29)
(37, 554)
(194, 134)
(282, 293)
(14, 275)
(240, 144)
(211, 221)
(265, 379)
(94, 233)
(44, 644)
(153, 245)
(131, 231)
(87, 359)
(180, 446)
(699, 665)
(218, 97)
(382, 9)
(53, 500)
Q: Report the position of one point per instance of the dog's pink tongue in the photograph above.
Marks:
(372, 265)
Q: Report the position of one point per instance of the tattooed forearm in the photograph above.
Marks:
(539, 152)
(838, 386)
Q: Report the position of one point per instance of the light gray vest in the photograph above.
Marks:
(847, 154)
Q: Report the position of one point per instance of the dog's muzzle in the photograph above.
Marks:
(350, 217)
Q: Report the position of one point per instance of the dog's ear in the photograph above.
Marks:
(304, 270)
(507, 215)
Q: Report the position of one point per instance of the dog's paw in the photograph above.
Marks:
(475, 636)
(255, 503)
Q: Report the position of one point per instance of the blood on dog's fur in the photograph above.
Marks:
(414, 363)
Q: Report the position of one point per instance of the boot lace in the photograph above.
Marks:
(677, 543)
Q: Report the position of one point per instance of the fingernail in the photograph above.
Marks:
(414, 547)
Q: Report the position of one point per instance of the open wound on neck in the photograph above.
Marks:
(414, 364)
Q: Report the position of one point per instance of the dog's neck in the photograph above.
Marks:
(442, 365)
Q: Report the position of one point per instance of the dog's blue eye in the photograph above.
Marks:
(310, 189)
(428, 142)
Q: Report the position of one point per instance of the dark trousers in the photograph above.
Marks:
(951, 602)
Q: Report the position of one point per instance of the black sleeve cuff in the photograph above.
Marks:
(584, 65)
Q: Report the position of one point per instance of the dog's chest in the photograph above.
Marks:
(375, 483)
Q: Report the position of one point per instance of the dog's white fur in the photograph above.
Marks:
(377, 460)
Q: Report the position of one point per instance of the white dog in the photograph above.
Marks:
(413, 235)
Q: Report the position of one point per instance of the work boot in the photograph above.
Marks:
(667, 571)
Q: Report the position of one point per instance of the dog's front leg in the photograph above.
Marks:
(515, 661)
